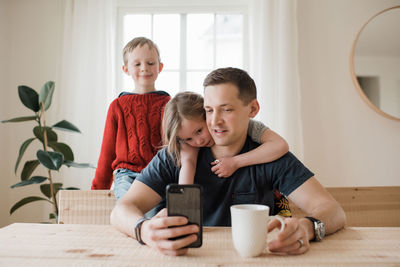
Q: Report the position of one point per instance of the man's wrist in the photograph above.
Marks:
(309, 227)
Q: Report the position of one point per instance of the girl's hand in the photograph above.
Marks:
(224, 167)
(188, 153)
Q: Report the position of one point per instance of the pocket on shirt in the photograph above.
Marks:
(243, 198)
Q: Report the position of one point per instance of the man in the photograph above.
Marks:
(230, 101)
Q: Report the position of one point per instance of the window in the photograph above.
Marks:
(191, 43)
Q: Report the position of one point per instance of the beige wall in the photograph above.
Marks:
(346, 143)
(30, 41)
(4, 46)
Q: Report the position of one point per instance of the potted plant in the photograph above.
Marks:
(54, 153)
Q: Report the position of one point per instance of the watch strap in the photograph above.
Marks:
(138, 227)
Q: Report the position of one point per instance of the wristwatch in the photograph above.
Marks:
(319, 229)
(138, 226)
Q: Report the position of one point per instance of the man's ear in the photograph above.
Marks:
(254, 108)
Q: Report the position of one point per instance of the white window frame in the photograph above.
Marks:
(125, 7)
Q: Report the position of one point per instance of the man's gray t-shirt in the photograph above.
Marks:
(248, 185)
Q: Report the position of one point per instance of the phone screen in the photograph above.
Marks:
(186, 200)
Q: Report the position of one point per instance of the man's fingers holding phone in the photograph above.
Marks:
(157, 231)
(166, 244)
(177, 232)
(161, 220)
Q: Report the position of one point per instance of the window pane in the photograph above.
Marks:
(208, 46)
(136, 26)
(200, 33)
(229, 41)
(167, 37)
(168, 81)
(195, 81)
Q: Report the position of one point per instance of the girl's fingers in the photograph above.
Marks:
(215, 162)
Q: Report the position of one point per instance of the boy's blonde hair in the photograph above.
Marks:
(139, 41)
(185, 105)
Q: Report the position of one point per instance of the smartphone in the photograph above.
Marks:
(187, 201)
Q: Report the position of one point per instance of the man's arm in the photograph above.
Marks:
(132, 206)
(313, 199)
(316, 202)
(155, 232)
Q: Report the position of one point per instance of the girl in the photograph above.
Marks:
(185, 130)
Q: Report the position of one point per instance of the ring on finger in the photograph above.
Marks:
(301, 242)
(217, 161)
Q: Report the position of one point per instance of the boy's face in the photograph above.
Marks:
(143, 66)
(226, 115)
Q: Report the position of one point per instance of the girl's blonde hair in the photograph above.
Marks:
(185, 105)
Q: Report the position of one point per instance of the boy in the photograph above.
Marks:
(132, 134)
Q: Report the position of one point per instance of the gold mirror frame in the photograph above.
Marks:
(354, 76)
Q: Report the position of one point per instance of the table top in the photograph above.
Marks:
(73, 244)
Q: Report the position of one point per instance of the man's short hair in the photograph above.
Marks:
(139, 41)
(245, 84)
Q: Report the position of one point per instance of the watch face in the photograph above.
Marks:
(320, 230)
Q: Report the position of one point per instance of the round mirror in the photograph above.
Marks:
(375, 62)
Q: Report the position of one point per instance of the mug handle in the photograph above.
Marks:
(280, 219)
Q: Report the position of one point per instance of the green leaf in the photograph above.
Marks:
(51, 160)
(25, 201)
(64, 149)
(29, 97)
(70, 188)
(45, 188)
(51, 135)
(46, 94)
(28, 169)
(20, 119)
(32, 180)
(66, 126)
(78, 165)
(22, 149)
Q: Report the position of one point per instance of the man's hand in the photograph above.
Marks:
(224, 167)
(155, 233)
(287, 241)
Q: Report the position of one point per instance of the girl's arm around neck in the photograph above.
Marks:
(272, 147)
(188, 163)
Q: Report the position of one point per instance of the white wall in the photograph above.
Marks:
(387, 69)
(346, 142)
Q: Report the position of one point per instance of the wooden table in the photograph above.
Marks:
(94, 245)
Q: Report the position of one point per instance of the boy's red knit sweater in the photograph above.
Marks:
(132, 135)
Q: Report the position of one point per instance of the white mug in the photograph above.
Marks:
(250, 228)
